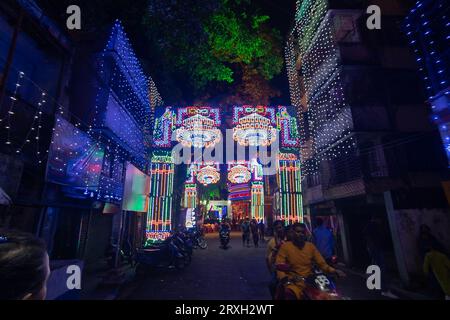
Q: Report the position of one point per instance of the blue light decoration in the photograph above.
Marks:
(428, 32)
(123, 114)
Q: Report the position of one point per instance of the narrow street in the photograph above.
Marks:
(217, 274)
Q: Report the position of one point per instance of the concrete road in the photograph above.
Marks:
(238, 273)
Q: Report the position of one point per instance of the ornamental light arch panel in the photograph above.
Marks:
(202, 127)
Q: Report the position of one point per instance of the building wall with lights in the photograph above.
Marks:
(78, 118)
(361, 113)
(34, 75)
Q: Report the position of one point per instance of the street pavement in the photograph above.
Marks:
(238, 273)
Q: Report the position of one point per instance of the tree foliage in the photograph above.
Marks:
(224, 46)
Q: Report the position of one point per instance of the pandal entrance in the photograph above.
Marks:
(200, 127)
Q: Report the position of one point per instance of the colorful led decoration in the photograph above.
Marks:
(239, 192)
(162, 157)
(198, 131)
(257, 200)
(239, 174)
(289, 189)
(254, 130)
(162, 134)
(287, 156)
(208, 112)
(190, 195)
(160, 203)
(289, 135)
(208, 175)
(257, 169)
(241, 111)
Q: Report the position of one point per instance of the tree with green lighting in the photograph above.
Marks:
(223, 46)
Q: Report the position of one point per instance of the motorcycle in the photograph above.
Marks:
(184, 243)
(318, 286)
(166, 255)
(224, 236)
(197, 238)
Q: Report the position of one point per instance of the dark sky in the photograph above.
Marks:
(281, 14)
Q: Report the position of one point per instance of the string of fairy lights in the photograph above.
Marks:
(33, 134)
(329, 121)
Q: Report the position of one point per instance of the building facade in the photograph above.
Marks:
(367, 146)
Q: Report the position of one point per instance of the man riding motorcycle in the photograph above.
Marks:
(301, 256)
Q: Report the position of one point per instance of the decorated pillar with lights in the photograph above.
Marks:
(159, 216)
(290, 190)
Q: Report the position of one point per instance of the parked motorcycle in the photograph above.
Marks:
(166, 255)
(318, 286)
(184, 244)
(197, 238)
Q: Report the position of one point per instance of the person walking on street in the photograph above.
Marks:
(323, 239)
(262, 230)
(255, 233)
(245, 228)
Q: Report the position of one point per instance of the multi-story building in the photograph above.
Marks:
(367, 146)
(76, 113)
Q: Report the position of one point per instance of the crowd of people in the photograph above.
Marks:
(254, 230)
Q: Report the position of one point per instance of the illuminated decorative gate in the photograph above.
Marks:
(199, 127)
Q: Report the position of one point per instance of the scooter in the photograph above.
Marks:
(318, 286)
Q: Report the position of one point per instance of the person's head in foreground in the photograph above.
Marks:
(24, 266)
